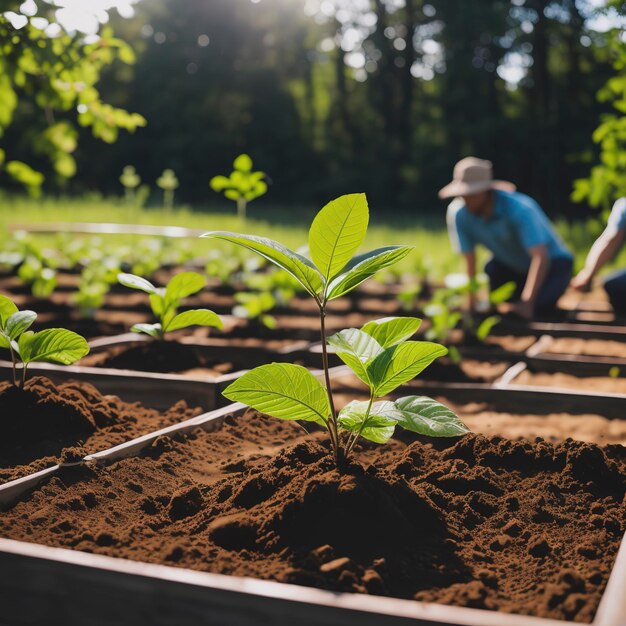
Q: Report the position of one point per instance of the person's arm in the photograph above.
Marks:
(603, 250)
(470, 262)
(537, 272)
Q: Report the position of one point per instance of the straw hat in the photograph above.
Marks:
(472, 175)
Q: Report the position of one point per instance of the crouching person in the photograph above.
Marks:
(603, 250)
(525, 247)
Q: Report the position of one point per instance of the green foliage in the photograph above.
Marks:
(53, 345)
(168, 183)
(129, 178)
(164, 303)
(291, 392)
(48, 84)
(135, 193)
(444, 310)
(25, 175)
(255, 306)
(607, 180)
(243, 185)
(379, 353)
(282, 390)
(339, 274)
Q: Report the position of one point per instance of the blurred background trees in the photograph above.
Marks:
(381, 96)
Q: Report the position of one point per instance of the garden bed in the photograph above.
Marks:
(479, 522)
(190, 356)
(46, 423)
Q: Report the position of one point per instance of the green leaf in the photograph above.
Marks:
(156, 302)
(503, 293)
(295, 264)
(337, 232)
(282, 390)
(195, 317)
(183, 285)
(154, 330)
(219, 183)
(364, 266)
(243, 163)
(486, 326)
(380, 424)
(56, 345)
(24, 345)
(426, 416)
(390, 331)
(136, 282)
(18, 323)
(7, 308)
(399, 364)
(356, 349)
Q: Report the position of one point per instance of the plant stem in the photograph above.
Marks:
(241, 209)
(352, 441)
(332, 422)
(24, 366)
(14, 362)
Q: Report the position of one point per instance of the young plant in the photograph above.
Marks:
(53, 345)
(378, 353)
(168, 183)
(165, 301)
(444, 311)
(130, 181)
(243, 185)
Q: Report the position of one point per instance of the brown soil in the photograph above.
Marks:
(161, 356)
(510, 343)
(46, 424)
(588, 347)
(492, 420)
(567, 381)
(553, 427)
(468, 370)
(482, 522)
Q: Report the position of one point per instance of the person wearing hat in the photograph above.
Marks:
(525, 247)
(603, 250)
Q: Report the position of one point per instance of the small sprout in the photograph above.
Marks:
(614, 372)
(53, 345)
(165, 301)
(253, 305)
(130, 181)
(168, 183)
(380, 353)
(243, 185)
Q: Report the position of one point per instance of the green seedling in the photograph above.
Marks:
(130, 181)
(378, 353)
(165, 301)
(252, 305)
(445, 315)
(168, 183)
(243, 185)
(53, 345)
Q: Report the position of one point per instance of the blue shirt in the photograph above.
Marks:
(617, 219)
(516, 224)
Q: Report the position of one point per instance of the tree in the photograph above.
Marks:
(607, 180)
(48, 89)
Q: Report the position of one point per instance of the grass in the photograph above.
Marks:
(289, 225)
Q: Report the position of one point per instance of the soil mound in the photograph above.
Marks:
(46, 423)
